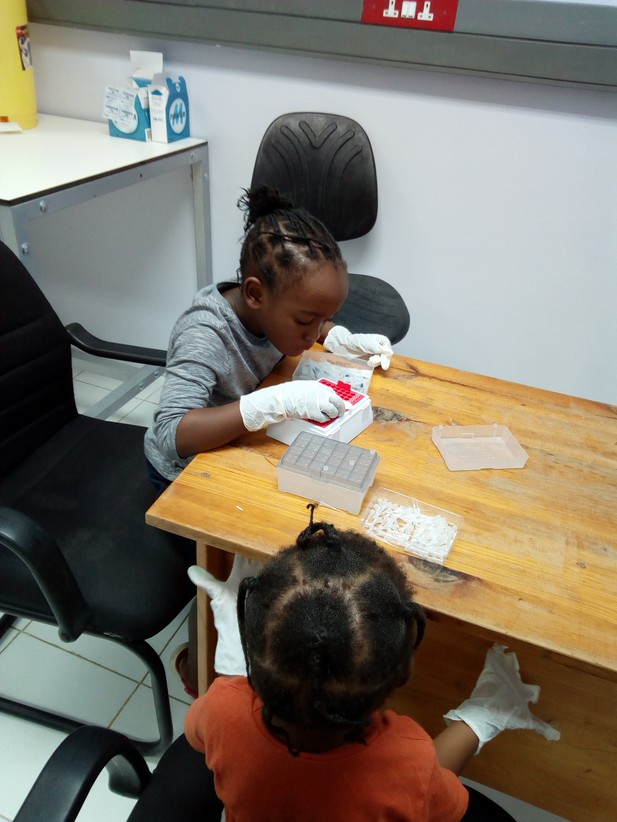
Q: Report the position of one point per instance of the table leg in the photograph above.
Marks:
(218, 563)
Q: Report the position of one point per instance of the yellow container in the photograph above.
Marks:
(17, 94)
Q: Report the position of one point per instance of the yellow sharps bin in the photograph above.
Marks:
(17, 94)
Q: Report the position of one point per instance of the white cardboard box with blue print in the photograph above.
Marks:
(169, 109)
(127, 104)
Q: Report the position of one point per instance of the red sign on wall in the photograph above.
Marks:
(439, 15)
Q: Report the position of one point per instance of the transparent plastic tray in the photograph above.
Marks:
(318, 365)
(408, 523)
(471, 447)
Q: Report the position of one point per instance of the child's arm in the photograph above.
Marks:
(498, 702)
(202, 429)
(455, 746)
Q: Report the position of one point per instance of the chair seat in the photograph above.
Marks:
(181, 788)
(105, 462)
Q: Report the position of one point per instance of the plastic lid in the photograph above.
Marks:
(472, 447)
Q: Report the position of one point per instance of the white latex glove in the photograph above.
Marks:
(299, 399)
(229, 656)
(499, 700)
(341, 341)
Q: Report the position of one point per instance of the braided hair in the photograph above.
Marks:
(281, 242)
(328, 628)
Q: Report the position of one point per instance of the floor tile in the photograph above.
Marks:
(87, 395)
(102, 805)
(152, 392)
(22, 760)
(137, 718)
(135, 412)
(8, 637)
(106, 653)
(174, 684)
(99, 380)
(103, 652)
(40, 674)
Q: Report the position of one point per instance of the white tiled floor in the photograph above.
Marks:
(95, 680)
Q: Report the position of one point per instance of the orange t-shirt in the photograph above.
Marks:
(395, 777)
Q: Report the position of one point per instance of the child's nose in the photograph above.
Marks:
(311, 333)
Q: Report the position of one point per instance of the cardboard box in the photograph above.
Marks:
(127, 107)
(169, 109)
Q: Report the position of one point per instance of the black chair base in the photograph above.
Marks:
(66, 724)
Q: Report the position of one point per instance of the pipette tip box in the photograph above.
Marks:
(327, 471)
(358, 416)
(317, 365)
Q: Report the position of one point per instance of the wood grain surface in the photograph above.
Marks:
(534, 565)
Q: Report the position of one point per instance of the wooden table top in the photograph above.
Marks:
(536, 556)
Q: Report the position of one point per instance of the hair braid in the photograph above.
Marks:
(281, 241)
(329, 628)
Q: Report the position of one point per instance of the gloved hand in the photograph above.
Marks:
(499, 700)
(341, 341)
(299, 399)
(229, 656)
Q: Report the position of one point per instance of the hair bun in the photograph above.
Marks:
(260, 201)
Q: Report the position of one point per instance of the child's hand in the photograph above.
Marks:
(299, 399)
(229, 656)
(341, 341)
(500, 700)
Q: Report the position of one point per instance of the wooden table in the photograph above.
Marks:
(534, 565)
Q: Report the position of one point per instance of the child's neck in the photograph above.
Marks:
(312, 740)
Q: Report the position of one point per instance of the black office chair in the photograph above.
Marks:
(324, 163)
(181, 787)
(74, 547)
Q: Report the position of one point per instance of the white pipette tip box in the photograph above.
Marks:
(334, 473)
(358, 416)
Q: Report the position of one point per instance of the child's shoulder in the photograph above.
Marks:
(208, 309)
(404, 726)
(226, 684)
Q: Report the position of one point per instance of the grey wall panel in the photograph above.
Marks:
(536, 40)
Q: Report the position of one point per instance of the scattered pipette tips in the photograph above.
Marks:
(417, 527)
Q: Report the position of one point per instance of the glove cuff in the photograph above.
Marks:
(253, 419)
(480, 725)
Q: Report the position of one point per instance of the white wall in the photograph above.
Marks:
(498, 199)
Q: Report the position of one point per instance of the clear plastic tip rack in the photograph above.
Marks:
(334, 473)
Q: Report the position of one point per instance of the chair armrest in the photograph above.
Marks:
(40, 553)
(115, 351)
(65, 781)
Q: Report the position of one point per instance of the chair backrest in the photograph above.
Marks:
(36, 381)
(324, 163)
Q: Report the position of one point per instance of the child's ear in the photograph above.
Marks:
(253, 292)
